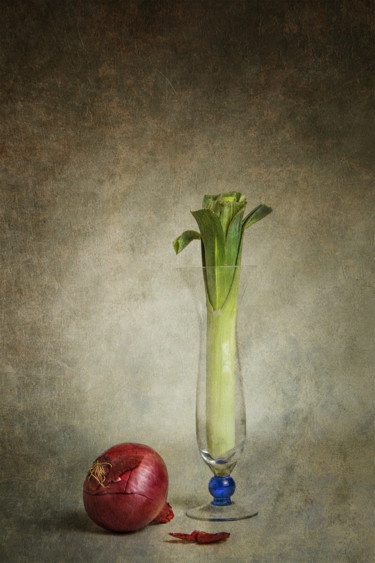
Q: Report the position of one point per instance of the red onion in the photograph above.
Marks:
(126, 488)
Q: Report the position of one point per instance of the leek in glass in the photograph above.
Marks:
(221, 225)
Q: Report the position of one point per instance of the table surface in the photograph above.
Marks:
(291, 526)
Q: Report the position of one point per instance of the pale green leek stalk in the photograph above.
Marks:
(220, 377)
(221, 227)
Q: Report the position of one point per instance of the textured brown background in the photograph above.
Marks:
(117, 117)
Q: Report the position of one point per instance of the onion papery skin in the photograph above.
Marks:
(131, 493)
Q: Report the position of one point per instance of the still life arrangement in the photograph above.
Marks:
(126, 487)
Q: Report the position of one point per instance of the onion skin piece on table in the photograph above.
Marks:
(126, 488)
(201, 537)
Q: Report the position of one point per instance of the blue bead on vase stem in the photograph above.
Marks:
(222, 488)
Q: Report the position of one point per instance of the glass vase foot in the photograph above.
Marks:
(226, 513)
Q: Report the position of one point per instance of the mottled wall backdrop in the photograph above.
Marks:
(117, 117)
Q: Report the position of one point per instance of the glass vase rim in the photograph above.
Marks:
(224, 267)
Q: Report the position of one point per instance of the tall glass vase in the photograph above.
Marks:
(220, 404)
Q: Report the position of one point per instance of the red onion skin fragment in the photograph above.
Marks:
(126, 488)
(165, 515)
(201, 537)
(204, 537)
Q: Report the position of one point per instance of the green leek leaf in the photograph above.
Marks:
(256, 215)
(233, 239)
(213, 253)
(212, 237)
(183, 240)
